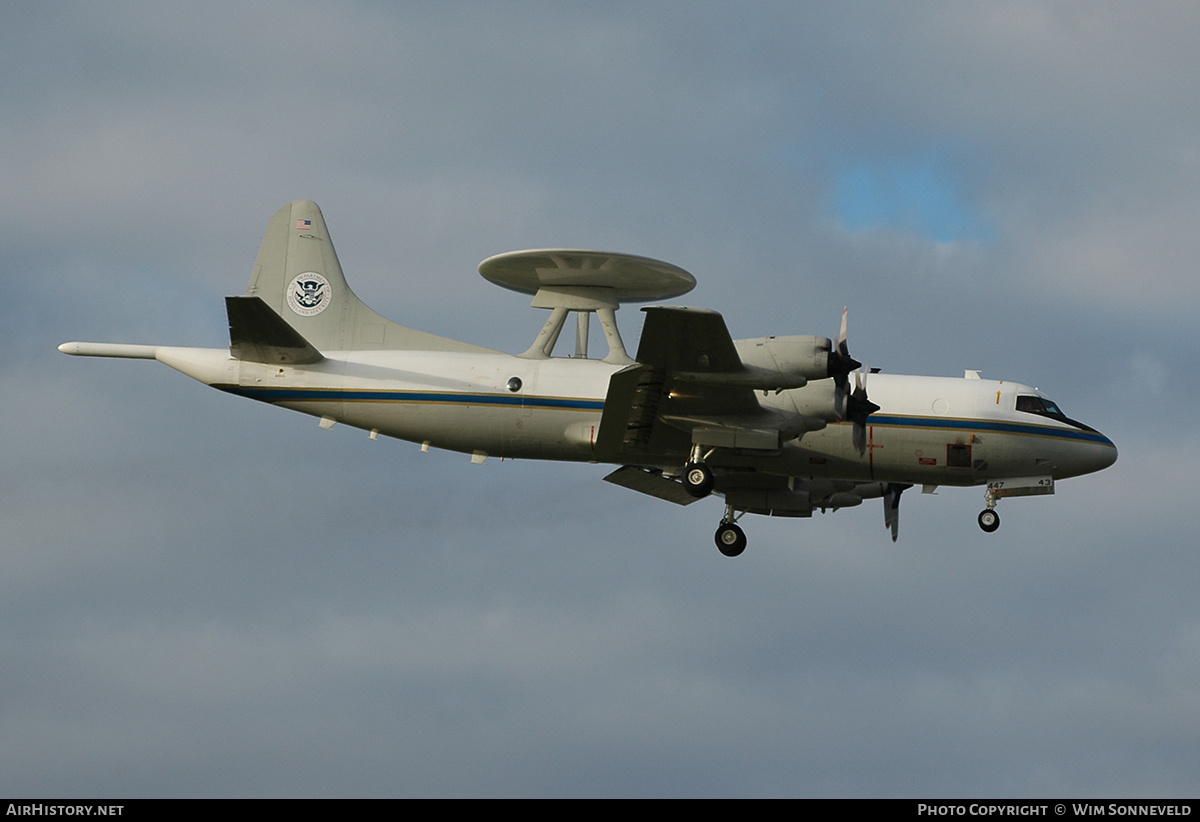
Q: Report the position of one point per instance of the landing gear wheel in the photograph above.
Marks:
(730, 539)
(698, 479)
(989, 520)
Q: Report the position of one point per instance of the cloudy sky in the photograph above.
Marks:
(205, 596)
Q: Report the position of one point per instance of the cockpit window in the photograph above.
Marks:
(1043, 407)
(1032, 405)
(1038, 405)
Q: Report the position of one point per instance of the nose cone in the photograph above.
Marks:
(1089, 451)
(1101, 454)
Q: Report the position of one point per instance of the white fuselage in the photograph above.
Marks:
(928, 430)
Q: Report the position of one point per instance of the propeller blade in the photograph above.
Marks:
(858, 408)
(860, 438)
(841, 339)
(891, 507)
(847, 404)
(840, 366)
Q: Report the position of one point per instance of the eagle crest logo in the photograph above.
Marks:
(309, 294)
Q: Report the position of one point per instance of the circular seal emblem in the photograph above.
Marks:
(309, 294)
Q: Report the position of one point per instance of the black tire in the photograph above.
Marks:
(730, 539)
(698, 479)
(989, 520)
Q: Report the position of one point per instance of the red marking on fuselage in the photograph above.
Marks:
(871, 446)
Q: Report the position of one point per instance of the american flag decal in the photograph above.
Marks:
(303, 224)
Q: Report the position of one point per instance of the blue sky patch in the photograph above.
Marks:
(916, 196)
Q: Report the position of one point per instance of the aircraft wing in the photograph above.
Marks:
(688, 385)
(681, 339)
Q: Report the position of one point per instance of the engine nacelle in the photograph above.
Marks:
(816, 403)
(807, 357)
(801, 355)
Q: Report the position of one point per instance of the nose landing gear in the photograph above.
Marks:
(997, 489)
(989, 520)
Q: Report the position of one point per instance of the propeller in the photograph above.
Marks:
(847, 404)
(858, 408)
(840, 366)
(891, 506)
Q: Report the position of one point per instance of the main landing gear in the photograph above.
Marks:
(989, 520)
(698, 479)
(730, 538)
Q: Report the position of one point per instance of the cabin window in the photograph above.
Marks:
(958, 456)
(514, 384)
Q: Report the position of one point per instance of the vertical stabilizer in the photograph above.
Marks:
(298, 275)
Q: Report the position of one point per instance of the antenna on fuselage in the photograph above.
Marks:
(586, 282)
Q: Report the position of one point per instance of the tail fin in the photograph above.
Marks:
(298, 275)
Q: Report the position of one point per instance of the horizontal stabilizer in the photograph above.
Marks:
(654, 484)
(258, 334)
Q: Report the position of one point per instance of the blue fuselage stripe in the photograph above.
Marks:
(958, 424)
(439, 397)
(579, 404)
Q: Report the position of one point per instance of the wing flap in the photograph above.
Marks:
(646, 482)
(631, 425)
